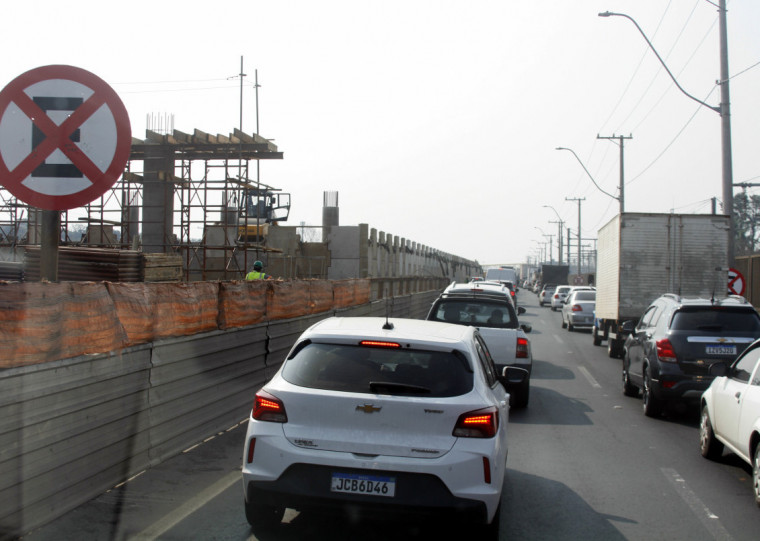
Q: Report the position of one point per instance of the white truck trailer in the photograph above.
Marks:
(641, 256)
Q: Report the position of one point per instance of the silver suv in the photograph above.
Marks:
(669, 353)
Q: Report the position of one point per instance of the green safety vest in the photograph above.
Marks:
(255, 275)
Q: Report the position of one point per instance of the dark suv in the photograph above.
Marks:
(669, 352)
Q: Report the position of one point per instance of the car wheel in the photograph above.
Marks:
(652, 405)
(709, 446)
(518, 399)
(564, 323)
(595, 335)
(613, 348)
(756, 475)
(263, 516)
(570, 327)
(629, 389)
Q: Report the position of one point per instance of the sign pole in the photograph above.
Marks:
(49, 240)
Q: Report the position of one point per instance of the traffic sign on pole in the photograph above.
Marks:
(736, 282)
(65, 137)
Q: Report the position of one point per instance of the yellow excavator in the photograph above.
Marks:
(263, 208)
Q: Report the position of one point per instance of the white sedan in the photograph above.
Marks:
(731, 412)
(385, 416)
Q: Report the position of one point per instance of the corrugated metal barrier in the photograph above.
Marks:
(71, 429)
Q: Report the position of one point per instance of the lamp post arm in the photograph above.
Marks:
(611, 14)
(589, 174)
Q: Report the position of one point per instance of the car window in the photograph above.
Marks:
(742, 370)
(486, 361)
(479, 312)
(646, 318)
(584, 296)
(379, 370)
(716, 319)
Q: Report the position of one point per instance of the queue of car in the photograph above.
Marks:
(393, 416)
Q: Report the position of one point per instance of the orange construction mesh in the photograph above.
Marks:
(44, 321)
(242, 303)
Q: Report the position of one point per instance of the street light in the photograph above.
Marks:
(724, 110)
(595, 184)
(559, 229)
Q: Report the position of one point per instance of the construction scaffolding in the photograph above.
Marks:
(182, 195)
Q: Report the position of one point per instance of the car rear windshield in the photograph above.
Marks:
(476, 312)
(585, 296)
(715, 319)
(380, 370)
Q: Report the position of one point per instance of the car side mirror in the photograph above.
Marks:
(628, 326)
(718, 370)
(527, 327)
(521, 310)
(512, 375)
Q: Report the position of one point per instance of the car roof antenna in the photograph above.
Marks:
(388, 305)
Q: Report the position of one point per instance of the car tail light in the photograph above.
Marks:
(556, 295)
(481, 423)
(523, 348)
(577, 308)
(665, 351)
(268, 408)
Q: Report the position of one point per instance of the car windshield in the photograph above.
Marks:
(380, 370)
(716, 319)
(477, 312)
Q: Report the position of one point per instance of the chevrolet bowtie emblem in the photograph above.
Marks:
(368, 408)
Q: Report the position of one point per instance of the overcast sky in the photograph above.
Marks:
(436, 121)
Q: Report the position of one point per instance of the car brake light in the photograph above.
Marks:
(523, 348)
(665, 351)
(481, 423)
(268, 408)
(379, 344)
(577, 308)
(556, 295)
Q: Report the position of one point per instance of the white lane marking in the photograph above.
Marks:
(189, 507)
(595, 384)
(708, 519)
(558, 339)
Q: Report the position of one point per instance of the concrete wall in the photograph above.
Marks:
(74, 428)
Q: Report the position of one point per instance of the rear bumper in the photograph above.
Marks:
(307, 486)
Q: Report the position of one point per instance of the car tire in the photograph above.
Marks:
(564, 323)
(709, 446)
(629, 389)
(570, 327)
(263, 517)
(518, 399)
(652, 405)
(756, 475)
(613, 348)
(595, 335)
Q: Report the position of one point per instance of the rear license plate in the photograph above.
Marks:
(373, 485)
(720, 350)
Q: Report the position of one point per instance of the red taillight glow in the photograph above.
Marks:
(486, 470)
(665, 351)
(477, 424)
(251, 447)
(523, 348)
(268, 408)
(577, 308)
(556, 295)
(379, 344)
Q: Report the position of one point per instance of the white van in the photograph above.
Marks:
(502, 274)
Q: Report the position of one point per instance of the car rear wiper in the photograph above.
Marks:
(390, 387)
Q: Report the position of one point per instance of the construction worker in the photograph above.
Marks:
(258, 272)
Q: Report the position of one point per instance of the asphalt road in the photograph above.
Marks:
(584, 463)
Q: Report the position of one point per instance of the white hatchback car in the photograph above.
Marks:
(385, 416)
(731, 412)
(559, 296)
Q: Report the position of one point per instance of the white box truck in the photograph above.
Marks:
(641, 256)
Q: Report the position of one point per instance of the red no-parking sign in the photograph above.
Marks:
(64, 137)
(736, 282)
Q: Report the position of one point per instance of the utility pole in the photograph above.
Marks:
(559, 238)
(579, 199)
(620, 138)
